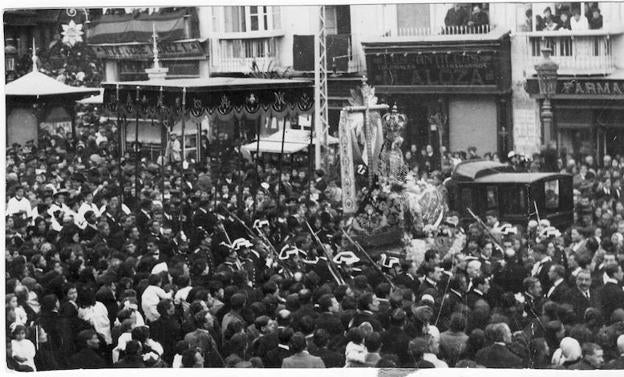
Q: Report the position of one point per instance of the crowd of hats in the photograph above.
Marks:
(175, 276)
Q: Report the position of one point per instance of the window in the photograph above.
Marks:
(491, 197)
(248, 48)
(251, 18)
(412, 16)
(466, 199)
(338, 19)
(513, 200)
(331, 24)
(234, 19)
(551, 194)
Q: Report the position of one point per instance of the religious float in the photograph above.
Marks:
(388, 208)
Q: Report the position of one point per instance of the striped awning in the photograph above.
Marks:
(128, 29)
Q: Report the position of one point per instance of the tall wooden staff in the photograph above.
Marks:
(333, 269)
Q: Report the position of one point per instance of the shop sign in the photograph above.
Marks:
(466, 68)
(608, 88)
(146, 51)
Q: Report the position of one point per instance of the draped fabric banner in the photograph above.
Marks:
(349, 192)
(219, 105)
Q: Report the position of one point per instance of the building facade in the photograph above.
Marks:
(464, 75)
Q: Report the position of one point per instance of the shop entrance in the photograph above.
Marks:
(614, 141)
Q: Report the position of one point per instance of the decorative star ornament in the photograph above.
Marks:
(72, 33)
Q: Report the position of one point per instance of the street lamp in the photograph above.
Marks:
(10, 60)
(547, 78)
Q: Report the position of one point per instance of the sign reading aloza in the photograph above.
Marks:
(466, 68)
(176, 49)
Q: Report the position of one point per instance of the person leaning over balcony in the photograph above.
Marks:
(595, 22)
(478, 17)
(456, 16)
(577, 22)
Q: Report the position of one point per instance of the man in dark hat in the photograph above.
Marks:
(144, 216)
(203, 216)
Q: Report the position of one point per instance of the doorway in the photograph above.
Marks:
(614, 141)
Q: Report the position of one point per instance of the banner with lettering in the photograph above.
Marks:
(467, 68)
(598, 88)
(349, 192)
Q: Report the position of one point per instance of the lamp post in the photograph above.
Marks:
(547, 78)
(10, 60)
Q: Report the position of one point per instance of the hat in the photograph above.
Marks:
(265, 186)
(289, 251)
(61, 192)
(511, 154)
(452, 221)
(532, 224)
(346, 257)
(240, 243)
(427, 298)
(550, 231)
(544, 223)
(508, 229)
(388, 262)
(260, 223)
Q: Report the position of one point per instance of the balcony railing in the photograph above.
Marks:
(238, 55)
(577, 53)
(444, 30)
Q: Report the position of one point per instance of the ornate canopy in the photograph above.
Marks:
(216, 98)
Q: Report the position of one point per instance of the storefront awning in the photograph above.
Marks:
(294, 141)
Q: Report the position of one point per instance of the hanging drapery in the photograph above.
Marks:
(221, 105)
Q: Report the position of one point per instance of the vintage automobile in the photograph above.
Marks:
(482, 186)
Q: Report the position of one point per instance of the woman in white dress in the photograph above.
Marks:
(23, 350)
(95, 313)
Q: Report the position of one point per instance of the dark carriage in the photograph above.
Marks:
(486, 185)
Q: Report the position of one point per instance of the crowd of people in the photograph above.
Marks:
(250, 268)
(564, 17)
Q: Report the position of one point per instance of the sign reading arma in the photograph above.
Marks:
(467, 68)
(593, 87)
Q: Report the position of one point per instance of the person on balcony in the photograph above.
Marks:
(551, 25)
(564, 21)
(578, 23)
(542, 21)
(478, 17)
(527, 25)
(456, 16)
(595, 22)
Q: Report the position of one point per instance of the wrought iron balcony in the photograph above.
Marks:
(443, 30)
